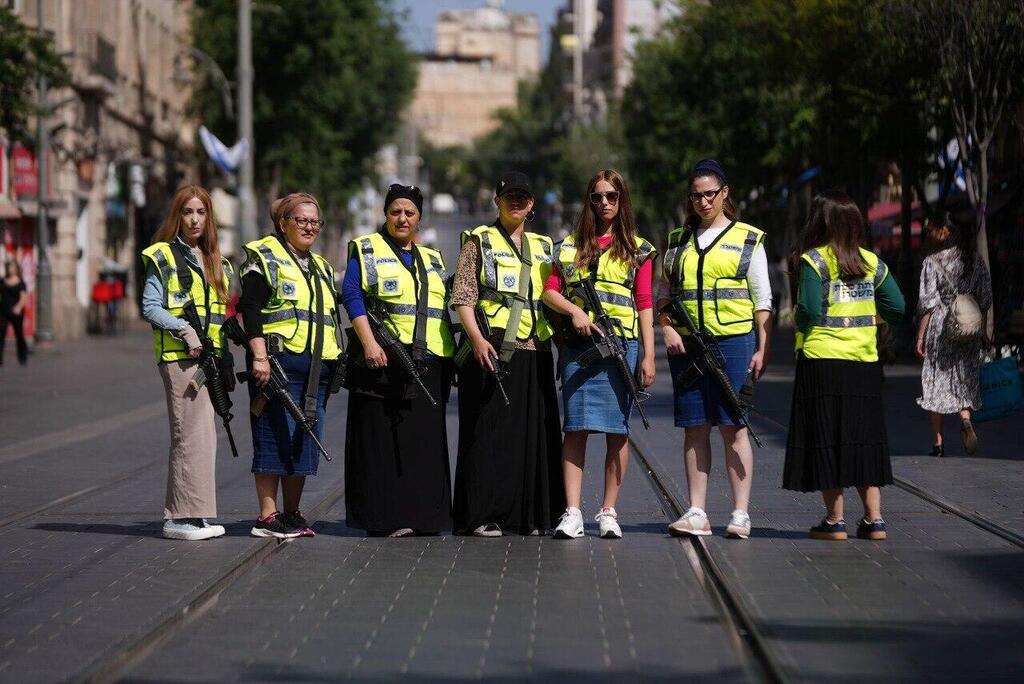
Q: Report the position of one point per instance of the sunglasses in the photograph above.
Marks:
(612, 196)
(708, 195)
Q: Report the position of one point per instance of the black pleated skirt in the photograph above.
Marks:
(396, 458)
(509, 468)
(837, 434)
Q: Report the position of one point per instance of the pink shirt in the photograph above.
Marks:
(641, 286)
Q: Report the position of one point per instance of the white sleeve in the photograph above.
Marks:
(758, 282)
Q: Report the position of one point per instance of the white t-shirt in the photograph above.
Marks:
(757, 277)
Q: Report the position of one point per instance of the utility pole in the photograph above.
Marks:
(44, 273)
(246, 197)
(577, 61)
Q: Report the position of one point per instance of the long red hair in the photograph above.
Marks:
(213, 267)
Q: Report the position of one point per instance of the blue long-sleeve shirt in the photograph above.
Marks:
(154, 296)
(352, 295)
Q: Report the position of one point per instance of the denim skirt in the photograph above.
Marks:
(702, 403)
(280, 446)
(594, 399)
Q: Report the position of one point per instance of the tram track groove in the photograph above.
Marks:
(975, 518)
(750, 645)
(132, 651)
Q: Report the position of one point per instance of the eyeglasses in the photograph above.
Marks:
(709, 195)
(612, 196)
(307, 223)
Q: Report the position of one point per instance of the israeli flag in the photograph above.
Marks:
(226, 159)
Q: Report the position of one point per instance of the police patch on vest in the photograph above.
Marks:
(851, 292)
(509, 280)
(390, 285)
(180, 297)
(287, 288)
(386, 260)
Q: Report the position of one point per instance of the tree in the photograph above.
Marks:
(331, 81)
(24, 55)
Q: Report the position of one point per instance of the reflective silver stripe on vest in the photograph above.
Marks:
(487, 254)
(723, 293)
(846, 322)
(272, 263)
(880, 272)
(301, 314)
(369, 264)
(166, 271)
(822, 267)
(217, 318)
(437, 268)
(410, 310)
(616, 299)
(748, 252)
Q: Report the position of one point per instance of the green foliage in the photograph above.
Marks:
(331, 81)
(23, 55)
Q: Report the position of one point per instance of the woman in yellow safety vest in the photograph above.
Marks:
(837, 423)
(508, 473)
(605, 250)
(185, 249)
(397, 477)
(292, 321)
(717, 266)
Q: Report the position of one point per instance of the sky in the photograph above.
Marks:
(418, 26)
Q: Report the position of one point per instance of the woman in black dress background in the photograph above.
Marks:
(12, 310)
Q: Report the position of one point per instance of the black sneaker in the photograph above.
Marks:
(938, 450)
(274, 525)
(298, 521)
(829, 531)
(871, 530)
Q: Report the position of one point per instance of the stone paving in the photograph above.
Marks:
(940, 599)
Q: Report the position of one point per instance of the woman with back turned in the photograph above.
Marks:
(837, 435)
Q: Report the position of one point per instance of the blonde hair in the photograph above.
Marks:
(213, 266)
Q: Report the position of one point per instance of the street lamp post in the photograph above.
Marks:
(246, 196)
(44, 273)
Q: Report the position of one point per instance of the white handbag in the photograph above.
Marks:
(964, 322)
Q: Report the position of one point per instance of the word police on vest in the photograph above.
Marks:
(852, 292)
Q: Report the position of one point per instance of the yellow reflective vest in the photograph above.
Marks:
(713, 281)
(385, 277)
(292, 310)
(210, 307)
(613, 280)
(846, 329)
(499, 279)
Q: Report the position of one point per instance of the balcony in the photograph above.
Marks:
(95, 68)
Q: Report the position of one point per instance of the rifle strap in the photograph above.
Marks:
(185, 279)
(419, 335)
(312, 392)
(508, 341)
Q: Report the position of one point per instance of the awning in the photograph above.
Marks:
(9, 211)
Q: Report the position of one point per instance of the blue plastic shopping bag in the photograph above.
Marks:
(1001, 392)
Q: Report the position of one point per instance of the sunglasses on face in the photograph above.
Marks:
(612, 196)
(708, 195)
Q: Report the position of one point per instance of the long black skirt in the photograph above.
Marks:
(396, 458)
(837, 434)
(509, 469)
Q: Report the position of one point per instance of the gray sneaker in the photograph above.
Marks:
(693, 522)
(191, 529)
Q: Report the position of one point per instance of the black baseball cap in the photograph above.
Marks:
(512, 180)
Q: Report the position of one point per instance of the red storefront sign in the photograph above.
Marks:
(24, 172)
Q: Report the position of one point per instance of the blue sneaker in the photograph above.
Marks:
(831, 531)
(871, 530)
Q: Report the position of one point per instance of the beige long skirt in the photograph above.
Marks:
(191, 468)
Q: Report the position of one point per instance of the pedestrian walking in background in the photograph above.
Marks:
(952, 361)
(290, 313)
(605, 249)
(188, 240)
(13, 299)
(718, 266)
(397, 477)
(837, 435)
(508, 475)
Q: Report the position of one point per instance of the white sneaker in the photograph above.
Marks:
(487, 530)
(607, 519)
(693, 522)
(570, 525)
(191, 529)
(739, 525)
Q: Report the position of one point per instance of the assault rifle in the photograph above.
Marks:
(393, 347)
(499, 371)
(703, 350)
(609, 345)
(209, 374)
(276, 388)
